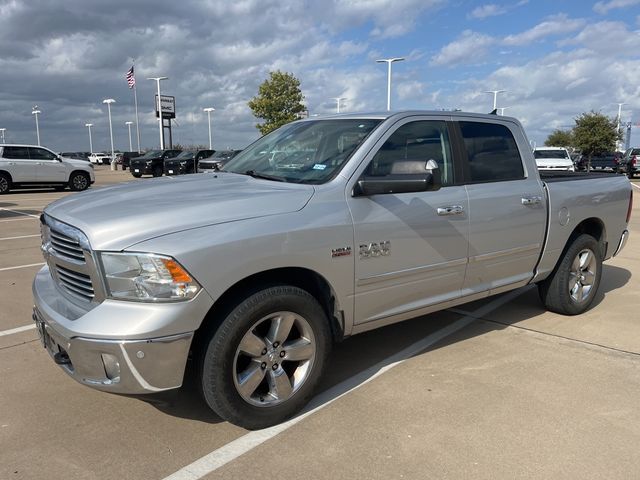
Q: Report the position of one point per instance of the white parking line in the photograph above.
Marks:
(16, 238)
(19, 213)
(17, 330)
(229, 452)
(21, 266)
(17, 219)
(637, 186)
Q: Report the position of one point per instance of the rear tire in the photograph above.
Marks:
(263, 363)
(137, 175)
(572, 286)
(5, 183)
(79, 181)
(157, 172)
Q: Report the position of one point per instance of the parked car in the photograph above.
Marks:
(216, 161)
(31, 166)
(185, 161)
(606, 161)
(254, 272)
(124, 158)
(631, 162)
(151, 163)
(553, 159)
(100, 158)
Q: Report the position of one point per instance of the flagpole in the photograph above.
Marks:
(135, 99)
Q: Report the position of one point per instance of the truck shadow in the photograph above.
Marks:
(357, 359)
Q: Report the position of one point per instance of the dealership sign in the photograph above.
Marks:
(168, 106)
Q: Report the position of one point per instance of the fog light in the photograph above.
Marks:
(111, 367)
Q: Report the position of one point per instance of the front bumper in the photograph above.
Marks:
(142, 169)
(174, 169)
(149, 358)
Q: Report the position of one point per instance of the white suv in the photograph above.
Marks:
(30, 165)
(100, 158)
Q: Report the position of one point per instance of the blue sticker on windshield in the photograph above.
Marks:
(319, 166)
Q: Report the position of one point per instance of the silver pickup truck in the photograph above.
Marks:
(320, 230)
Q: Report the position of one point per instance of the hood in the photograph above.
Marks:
(117, 217)
(553, 162)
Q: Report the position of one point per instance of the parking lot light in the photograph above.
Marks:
(338, 100)
(89, 125)
(128, 124)
(158, 80)
(2, 130)
(36, 112)
(209, 110)
(109, 101)
(389, 61)
(495, 96)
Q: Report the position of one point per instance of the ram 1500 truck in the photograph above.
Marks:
(358, 221)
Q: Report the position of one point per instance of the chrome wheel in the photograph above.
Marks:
(274, 359)
(582, 275)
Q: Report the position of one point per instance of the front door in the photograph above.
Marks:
(411, 248)
(48, 167)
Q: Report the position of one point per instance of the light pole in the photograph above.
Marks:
(89, 125)
(501, 110)
(495, 96)
(36, 112)
(157, 80)
(109, 101)
(618, 123)
(389, 61)
(338, 100)
(2, 130)
(209, 110)
(128, 124)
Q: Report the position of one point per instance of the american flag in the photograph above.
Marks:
(131, 79)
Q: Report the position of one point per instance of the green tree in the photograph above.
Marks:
(595, 134)
(279, 101)
(559, 138)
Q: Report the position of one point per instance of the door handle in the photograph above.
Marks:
(450, 210)
(12, 163)
(534, 200)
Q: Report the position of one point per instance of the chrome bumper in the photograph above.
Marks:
(622, 243)
(119, 365)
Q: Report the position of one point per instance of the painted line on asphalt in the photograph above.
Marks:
(17, 238)
(238, 447)
(19, 213)
(21, 266)
(17, 330)
(637, 186)
(17, 219)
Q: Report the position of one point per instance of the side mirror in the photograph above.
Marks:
(429, 179)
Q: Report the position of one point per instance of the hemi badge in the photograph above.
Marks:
(341, 252)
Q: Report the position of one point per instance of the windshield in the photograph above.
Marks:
(304, 152)
(551, 154)
(223, 154)
(186, 155)
(153, 153)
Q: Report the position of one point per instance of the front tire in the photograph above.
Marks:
(262, 364)
(157, 172)
(137, 175)
(79, 181)
(5, 183)
(572, 286)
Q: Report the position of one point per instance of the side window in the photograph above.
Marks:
(40, 154)
(18, 153)
(492, 152)
(409, 149)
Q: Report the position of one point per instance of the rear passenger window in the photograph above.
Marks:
(491, 152)
(18, 153)
(410, 147)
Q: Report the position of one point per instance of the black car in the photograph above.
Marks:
(631, 162)
(216, 161)
(151, 163)
(124, 158)
(184, 163)
(606, 161)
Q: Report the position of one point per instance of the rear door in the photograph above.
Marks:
(411, 248)
(48, 167)
(507, 206)
(17, 162)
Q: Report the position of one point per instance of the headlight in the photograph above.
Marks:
(147, 278)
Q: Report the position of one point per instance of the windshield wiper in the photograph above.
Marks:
(264, 176)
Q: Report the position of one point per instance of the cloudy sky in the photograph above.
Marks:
(555, 59)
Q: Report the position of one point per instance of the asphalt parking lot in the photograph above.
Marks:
(495, 389)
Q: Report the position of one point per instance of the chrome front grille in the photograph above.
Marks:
(76, 283)
(66, 246)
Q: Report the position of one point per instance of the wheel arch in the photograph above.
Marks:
(591, 226)
(7, 174)
(304, 278)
